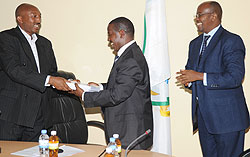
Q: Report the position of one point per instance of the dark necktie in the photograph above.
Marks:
(195, 120)
(116, 58)
(203, 48)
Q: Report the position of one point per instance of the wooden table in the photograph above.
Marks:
(8, 147)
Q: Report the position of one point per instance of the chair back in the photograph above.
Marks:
(66, 115)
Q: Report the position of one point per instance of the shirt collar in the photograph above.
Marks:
(27, 36)
(124, 47)
(211, 33)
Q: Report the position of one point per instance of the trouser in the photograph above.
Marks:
(220, 145)
(12, 132)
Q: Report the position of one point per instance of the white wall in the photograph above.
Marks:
(77, 29)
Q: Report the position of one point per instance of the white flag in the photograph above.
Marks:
(155, 49)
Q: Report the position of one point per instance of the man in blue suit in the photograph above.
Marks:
(214, 72)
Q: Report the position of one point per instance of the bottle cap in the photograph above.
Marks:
(116, 135)
(112, 139)
(53, 133)
(109, 150)
(113, 147)
(44, 131)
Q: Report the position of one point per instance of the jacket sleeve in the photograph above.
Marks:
(127, 77)
(17, 66)
(232, 74)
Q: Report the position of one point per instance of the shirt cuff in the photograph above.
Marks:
(83, 96)
(205, 79)
(47, 81)
(101, 86)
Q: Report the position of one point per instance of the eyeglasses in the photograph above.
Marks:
(198, 15)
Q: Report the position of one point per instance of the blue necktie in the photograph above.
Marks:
(116, 58)
(203, 48)
(204, 45)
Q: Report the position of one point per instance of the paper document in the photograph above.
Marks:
(34, 151)
(85, 87)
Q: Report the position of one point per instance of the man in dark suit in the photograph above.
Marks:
(215, 72)
(125, 98)
(27, 63)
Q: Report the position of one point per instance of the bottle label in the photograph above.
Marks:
(119, 149)
(53, 145)
(44, 143)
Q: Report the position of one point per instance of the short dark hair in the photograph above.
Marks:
(216, 8)
(122, 23)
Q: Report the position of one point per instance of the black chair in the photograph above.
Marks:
(67, 116)
(246, 153)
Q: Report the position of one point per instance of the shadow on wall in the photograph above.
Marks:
(92, 110)
(181, 86)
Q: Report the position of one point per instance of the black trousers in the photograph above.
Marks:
(12, 132)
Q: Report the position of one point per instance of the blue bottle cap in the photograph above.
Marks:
(112, 139)
(44, 131)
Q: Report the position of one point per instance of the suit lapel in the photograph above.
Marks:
(26, 48)
(124, 54)
(213, 42)
(41, 56)
(197, 48)
(120, 60)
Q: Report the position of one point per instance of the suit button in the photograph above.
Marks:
(25, 95)
(24, 64)
(0, 112)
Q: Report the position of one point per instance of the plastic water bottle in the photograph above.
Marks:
(109, 152)
(53, 144)
(113, 146)
(118, 144)
(44, 144)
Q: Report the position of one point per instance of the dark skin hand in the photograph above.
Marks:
(78, 92)
(187, 76)
(93, 84)
(59, 83)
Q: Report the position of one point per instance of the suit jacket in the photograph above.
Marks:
(126, 99)
(222, 103)
(22, 88)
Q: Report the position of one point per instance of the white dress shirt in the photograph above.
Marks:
(32, 42)
(211, 34)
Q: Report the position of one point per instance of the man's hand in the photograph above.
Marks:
(187, 76)
(93, 84)
(78, 92)
(59, 83)
(78, 81)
